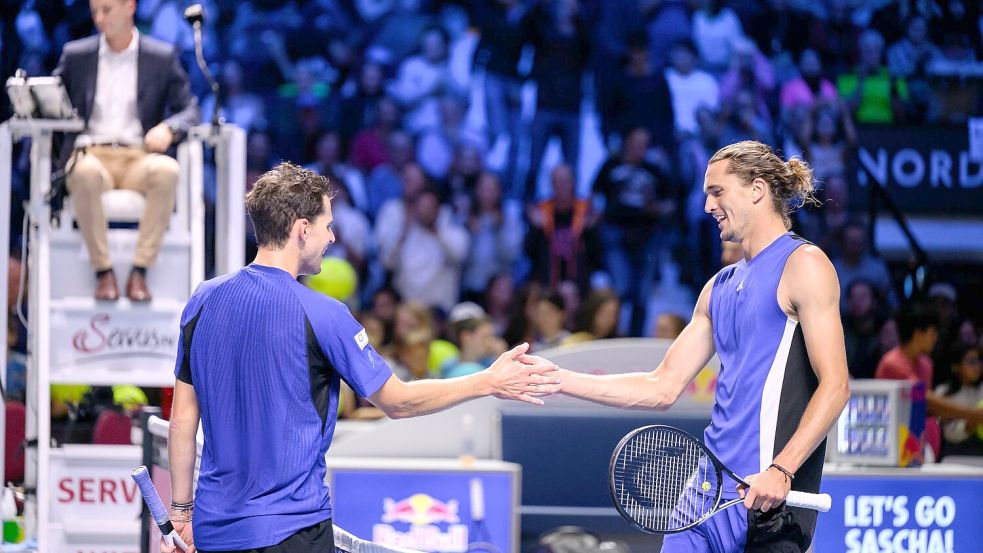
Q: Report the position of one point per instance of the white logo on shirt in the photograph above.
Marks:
(740, 286)
(362, 339)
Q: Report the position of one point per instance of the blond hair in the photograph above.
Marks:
(791, 183)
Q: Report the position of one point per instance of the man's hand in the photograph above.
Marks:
(184, 530)
(768, 489)
(158, 139)
(521, 377)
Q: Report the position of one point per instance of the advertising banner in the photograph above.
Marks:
(901, 514)
(136, 346)
(925, 170)
(436, 512)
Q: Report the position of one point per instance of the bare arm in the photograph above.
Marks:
(182, 452)
(660, 388)
(940, 406)
(512, 376)
(813, 293)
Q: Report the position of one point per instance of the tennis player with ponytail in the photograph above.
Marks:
(773, 319)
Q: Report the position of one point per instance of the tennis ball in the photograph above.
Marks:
(130, 397)
(337, 279)
(440, 352)
(706, 486)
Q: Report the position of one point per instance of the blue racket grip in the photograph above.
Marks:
(142, 477)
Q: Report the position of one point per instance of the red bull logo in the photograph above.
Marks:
(419, 509)
(422, 512)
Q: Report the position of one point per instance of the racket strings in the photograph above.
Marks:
(665, 481)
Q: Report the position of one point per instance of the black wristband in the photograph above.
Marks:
(182, 506)
(782, 469)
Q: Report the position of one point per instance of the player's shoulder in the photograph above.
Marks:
(809, 258)
(317, 302)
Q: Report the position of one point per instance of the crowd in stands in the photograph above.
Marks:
(455, 132)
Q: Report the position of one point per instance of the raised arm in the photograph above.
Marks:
(511, 376)
(660, 388)
(813, 292)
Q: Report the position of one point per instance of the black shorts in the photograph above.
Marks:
(313, 539)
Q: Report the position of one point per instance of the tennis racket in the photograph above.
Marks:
(664, 480)
(142, 477)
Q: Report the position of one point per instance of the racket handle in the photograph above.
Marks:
(142, 477)
(816, 501)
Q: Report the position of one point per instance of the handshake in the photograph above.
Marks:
(519, 376)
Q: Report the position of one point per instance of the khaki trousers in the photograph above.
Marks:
(98, 169)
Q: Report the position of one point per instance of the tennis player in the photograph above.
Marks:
(773, 319)
(259, 362)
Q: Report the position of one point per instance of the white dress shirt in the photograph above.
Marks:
(114, 110)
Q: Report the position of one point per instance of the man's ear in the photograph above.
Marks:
(758, 189)
(301, 228)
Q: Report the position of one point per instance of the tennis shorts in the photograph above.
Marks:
(735, 530)
(313, 539)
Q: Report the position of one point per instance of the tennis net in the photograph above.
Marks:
(155, 458)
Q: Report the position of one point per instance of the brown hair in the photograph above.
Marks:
(791, 183)
(282, 195)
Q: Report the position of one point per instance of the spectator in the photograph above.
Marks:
(668, 326)
(383, 306)
(715, 29)
(438, 145)
(643, 99)
(371, 146)
(561, 57)
(870, 91)
(412, 316)
(498, 301)
(691, 88)
(597, 318)
(239, 106)
(475, 336)
(359, 111)
(943, 300)
(862, 321)
(496, 236)
(965, 388)
(559, 233)
(520, 326)
(638, 203)
(549, 322)
(668, 22)
(834, 142)
(502, 24)
(411, 355)
(392, 217)
(810, 87)
(328, 161)
(146, 129)
(426, 261)
(918, 333)
(856, 262)
(458, 188)
(386, 181)
(912, 52)
(834, 215)
(743, 120)
(422, 79)
(749, 70)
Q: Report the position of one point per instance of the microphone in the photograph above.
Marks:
(195, 15)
